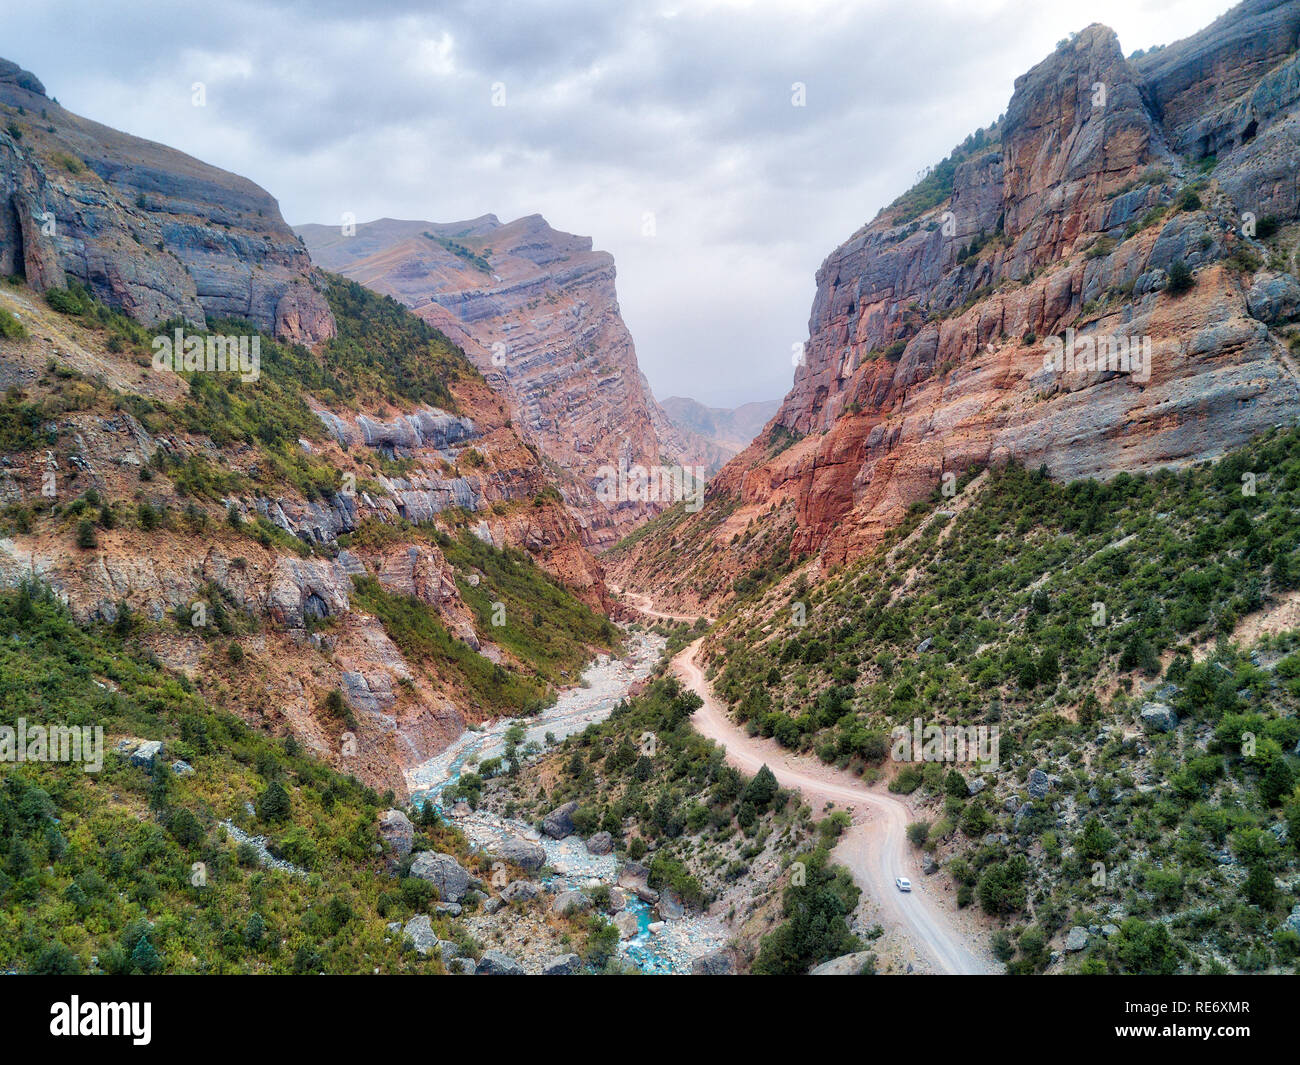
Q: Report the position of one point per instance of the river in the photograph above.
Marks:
(673, 945)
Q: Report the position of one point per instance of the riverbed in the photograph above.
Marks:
(605, 682)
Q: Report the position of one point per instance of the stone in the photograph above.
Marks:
(397, 833)
(145, 752)
(627, 924)
(1158, 717)
(924, 645)
(571, 902)
(975, 785)
(182, 768)
(448, 909)
(670, 905)
(559, 822)
(1076, 939)
(617, 900)
(1039, 784)
(1109, 930)
(520, 891)
(443, 872)
(600, 843)
(562, 965)
(494, 963)
(421, 934)
(716, 963)
(524, 853)
(928, 865)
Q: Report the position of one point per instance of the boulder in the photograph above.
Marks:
(397, 833)
(494, 963)
(600, 843)
(568, 902)
(716, 963)
(562, 965)
(443, 872)
(421, 934)
(670, 905)
(182, 768)
(1158, 717)
(617, 900)
(975, 785)
(524, 853)
(1039, 784)
(627, 925)
(520, 891)
(1076, 940)
(559, 822)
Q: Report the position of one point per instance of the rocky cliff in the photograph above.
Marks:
(148, 229)
(1145, 204)
(537, 312)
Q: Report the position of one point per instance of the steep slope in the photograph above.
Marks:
(1089, 692)
(345, 542)
(150, 230)
(536, 311)
(1077, 217)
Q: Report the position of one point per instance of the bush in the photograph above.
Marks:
(10, 327)
(1180, 278)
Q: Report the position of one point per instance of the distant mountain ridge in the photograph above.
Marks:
(731, 429)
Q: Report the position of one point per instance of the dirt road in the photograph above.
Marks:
(875, 849)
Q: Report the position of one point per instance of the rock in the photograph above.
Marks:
(562, 965)
(493, 905)
(494, 963)
(141, 753)
(1076, 940)
(559, 822)
(1011, 804)
(421, 934)
(924, 645)
(443, 872)
(670, 905)
(1158, 717)
(844, 965)
(571, 902)
(520, 891)
(1293, 919)
(975, 785)
(397, 833)
(461, 809)
(617, 900)
(627, 925)
(1109, 930)
(182, 768)
(524, 853)
(1039, 784)
(461, 964)
(655, 927)
(928, 865)
(1021, 814)
(600, 843)
(448, 909)
(1274, 298)
(716, 963)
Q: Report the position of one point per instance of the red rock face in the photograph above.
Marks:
(536, 310)
(928, 330)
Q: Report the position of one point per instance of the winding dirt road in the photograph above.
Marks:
(874, 849)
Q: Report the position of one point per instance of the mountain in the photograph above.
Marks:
(1147, 199)
(536, 310)
(346, 536)
(730, 429)
(149, 230)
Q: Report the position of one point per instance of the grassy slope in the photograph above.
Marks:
(1007, 597)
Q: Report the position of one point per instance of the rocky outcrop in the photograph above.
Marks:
(148, 229)
(396, 833)
(931, 330)
(559, 822)
(537, 312)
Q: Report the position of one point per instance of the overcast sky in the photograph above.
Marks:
(616, 113)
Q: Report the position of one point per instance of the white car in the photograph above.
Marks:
(902, 883)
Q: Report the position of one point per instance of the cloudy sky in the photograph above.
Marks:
(665, 130)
